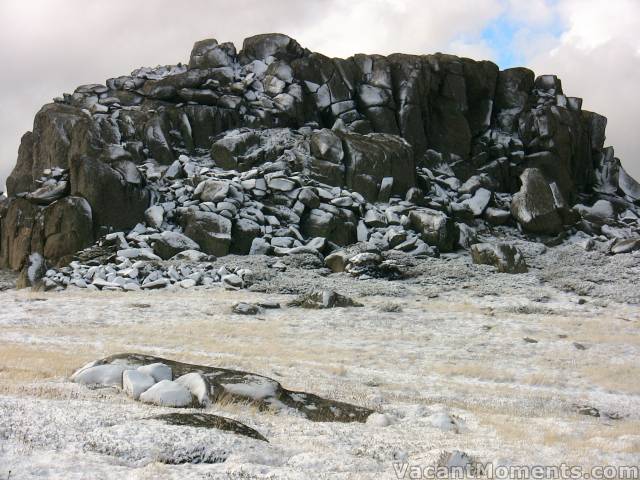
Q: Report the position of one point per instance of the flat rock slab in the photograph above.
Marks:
(207, 420)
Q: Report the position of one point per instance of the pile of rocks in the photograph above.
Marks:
(275, 150)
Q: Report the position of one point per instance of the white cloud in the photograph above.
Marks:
(598, 59)
(388, 26)
(531, 12)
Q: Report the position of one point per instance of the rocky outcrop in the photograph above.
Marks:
(278, 150)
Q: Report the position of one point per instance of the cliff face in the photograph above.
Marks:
(284, 122)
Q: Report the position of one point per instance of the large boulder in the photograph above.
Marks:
(68, 228)
(167, 244)
(371, 158)
(58, 132)
(327, 162)
(534, 206)
(629, 186)
(209, 54)
(209, 230)
(244, 232)
(339, 227)
(512, 95)
(115, 202)
(276, 45)
(506, 258)
(435, 227)
(226, 151)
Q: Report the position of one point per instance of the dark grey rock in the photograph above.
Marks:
(506, 258)
(435, 228)
(212, 232)
(534, 205)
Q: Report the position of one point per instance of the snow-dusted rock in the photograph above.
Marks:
(191, 256)
(168, 244)
(212, 190)
(103, 375)
(506, 258)
(199, 387)
(444, 422)
(379, 420)
(154, 216)
(138, 254)
(166, 393)
(159, 371)
(135, 382)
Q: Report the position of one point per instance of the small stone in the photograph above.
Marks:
(506, 258)
(232, 281)
(320, 299)
(211, 190)
(243, 308)
(187, 283)
(154, 216)
(374, 219)
(259, 246)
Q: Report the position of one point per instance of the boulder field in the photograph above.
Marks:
(276, 150)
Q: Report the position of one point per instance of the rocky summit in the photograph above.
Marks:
(142, 182)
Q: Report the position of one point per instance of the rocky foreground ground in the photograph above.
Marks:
(458, 363)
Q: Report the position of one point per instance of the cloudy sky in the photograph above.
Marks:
(50, 46)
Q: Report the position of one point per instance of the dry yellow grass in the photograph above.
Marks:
(614, 377)
(27, 362)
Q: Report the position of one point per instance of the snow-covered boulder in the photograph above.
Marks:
(159, 371)
(198, 385)
(135, 382)
(103, 375)
(168, 394)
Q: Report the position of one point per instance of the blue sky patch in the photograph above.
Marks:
(500, 37)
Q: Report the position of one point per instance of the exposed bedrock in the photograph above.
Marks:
(275, 149)
(175, 384)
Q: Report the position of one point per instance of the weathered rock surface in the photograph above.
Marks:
(534, 206)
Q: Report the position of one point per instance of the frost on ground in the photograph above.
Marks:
(532, 369)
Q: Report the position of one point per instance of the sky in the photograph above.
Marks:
(48, 47)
